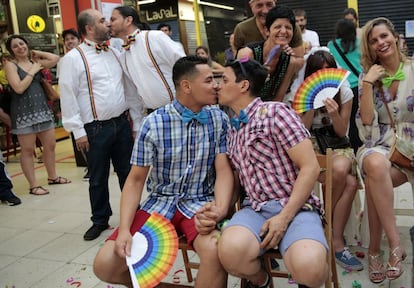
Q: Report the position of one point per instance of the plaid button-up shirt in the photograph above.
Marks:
(182, 158)
(258, 151)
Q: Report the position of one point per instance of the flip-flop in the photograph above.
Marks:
(58, 180)
(34, 191)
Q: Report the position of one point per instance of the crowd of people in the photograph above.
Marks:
(157, 122)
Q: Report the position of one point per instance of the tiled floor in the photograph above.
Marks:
(41, 243)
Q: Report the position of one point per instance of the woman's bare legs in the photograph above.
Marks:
(27, 145)
(48, 140)
(344, 189)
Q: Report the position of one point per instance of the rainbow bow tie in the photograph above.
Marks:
(101, 47)
(201, 116)
(130, 40)
(243, 118)
(399, 75)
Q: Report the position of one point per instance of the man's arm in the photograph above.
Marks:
(5, 118)
(305, 159)
(210, 214)
(69, 90)
(224, 185)
(238, 38)
(130, 199)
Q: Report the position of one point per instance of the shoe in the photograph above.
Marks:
(38, 191)
(348, 261)
(94, 232)
(265, 285)
(394, 268)
(376, 269)
(11, 200)
(87, 175)
(58, 180)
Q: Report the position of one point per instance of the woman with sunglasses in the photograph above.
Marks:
(276, 54)
(386, 84)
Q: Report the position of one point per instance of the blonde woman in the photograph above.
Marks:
(387, 80)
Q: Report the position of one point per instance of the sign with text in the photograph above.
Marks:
(160, 12)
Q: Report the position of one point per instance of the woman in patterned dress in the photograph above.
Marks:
(387, 79)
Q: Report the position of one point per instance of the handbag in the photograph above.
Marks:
(327, 138)
(402, 150)
(50, 92)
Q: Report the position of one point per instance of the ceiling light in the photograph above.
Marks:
(214, 5)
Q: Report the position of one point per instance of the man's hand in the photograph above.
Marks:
(82, 143)
(5, 118)
(123, 244)
(207, 217)
(272, 232)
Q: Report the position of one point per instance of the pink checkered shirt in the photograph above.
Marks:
(258, 151)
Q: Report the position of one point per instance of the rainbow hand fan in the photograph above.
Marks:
(317, 87)
(153, 252)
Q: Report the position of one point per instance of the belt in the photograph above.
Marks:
(104, 122)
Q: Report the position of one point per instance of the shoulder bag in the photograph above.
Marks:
(327, 138)
(401, 151)
(353, 69)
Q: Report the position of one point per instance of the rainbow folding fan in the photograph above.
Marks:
(153, 252)
(317, 87)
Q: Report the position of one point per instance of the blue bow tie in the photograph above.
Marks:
(243, 118)
(201, 116)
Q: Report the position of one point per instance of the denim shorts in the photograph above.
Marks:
(35, 128)
(305, 225)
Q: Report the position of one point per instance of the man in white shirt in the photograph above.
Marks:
(310, 38)
(94, 108)
(148, 58)
(166, 28)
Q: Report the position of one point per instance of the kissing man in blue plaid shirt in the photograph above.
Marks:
(181, 147)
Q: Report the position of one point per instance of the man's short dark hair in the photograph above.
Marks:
(252, 71)
(70, 31)
(85, 18)
(127, 11)
(161, 25)
(300, 13)
(279, 12)
(186, 66)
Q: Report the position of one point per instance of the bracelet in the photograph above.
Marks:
(369, 82)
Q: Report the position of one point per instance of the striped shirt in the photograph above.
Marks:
(182, 158)
(258, 151)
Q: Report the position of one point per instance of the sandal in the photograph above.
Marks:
(394, 268)
(58, 180)
(35, 191)
(376, 269)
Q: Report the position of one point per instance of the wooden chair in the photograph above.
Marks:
(188, 265)
(325, 162)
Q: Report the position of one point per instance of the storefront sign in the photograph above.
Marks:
(36, 23)
(161, 14)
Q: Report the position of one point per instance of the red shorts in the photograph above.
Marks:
(182, 224)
